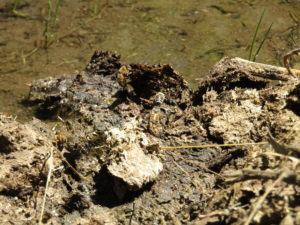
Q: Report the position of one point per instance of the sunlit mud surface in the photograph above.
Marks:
(189, 35)
(119, 126)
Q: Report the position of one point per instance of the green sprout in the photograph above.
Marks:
(51, 23)
(254, 39)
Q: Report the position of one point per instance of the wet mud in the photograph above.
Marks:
(108, 139)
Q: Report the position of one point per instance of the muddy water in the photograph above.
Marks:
(190, 35)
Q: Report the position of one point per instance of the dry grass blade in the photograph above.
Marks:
(212, 145)
(293, 159)
(49, 165)
(290, 177)
(282, 148)
(259, 203)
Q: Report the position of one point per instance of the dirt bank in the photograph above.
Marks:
(106, 138)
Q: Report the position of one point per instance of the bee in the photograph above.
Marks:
(60, 139)
(124, 81)
(154, 115)
(154, 122)
(159, 98)
(122, 76)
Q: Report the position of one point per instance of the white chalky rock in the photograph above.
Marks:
(131, 164)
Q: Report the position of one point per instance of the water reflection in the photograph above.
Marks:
(190, 35)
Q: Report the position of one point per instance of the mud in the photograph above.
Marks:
(110, 110)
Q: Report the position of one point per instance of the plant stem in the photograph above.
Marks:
(51, 23)
(261, 44)
(255, 35)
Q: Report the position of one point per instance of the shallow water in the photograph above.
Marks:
(190, 35)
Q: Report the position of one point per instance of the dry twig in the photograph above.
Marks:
(286, 61)
(289, 177)
(259, 203)
(200, 165)
(282, 148)
(212, 145)
(293, 159)
(49, 165)
(71, 167)
(215, 213)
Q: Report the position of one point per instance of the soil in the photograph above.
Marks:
(114, 121)
(109, 110)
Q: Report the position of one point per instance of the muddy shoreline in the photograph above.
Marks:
(113, 123)
(189, 35)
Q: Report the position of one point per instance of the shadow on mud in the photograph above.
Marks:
(104, 196)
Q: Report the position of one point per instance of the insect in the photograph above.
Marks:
(122, 78)
(154, 122)
(159, 98)
(60, 139)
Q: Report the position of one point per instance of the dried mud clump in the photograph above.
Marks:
(236, 109)
(18, 141)
(239, 101)
(23, 152)
(147, 81)
(25, 163)
(112, 144)
(103, 63)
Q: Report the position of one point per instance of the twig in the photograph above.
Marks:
(294, 159)
(197, 184)
(71, 167)
(263, 198)
(201, 166)
(212, 145)
(133, 210)
(186, 173)
(30, 53)
(234, 69)
(294, 17)
(282, 148)
(223, 212)
(290, 177)
(60, 147)
(15, 12)
(286, 60)
(215, 213)
(50, 167)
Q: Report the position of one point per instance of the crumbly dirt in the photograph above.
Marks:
(154, 104)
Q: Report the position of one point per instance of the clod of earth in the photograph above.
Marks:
(115, 117)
